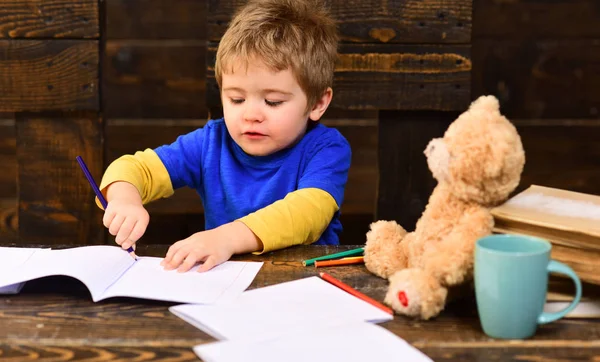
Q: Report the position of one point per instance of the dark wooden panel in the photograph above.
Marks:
(154, 79)
(424, 77)
(49, 19)
(8, 181)
(405, 182)
(9, 220)
(540, 78)
(536, 18)
(8, 162)
(374, 21)
(48, 75)
(561, 153)
(56, 202)
(156, 19)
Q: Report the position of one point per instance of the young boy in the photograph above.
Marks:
(269, 175)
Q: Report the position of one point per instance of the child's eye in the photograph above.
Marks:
(272, 103)
(237, 100)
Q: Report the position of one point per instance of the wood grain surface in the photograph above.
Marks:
(54, 319)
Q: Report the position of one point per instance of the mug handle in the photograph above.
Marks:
(558, 267)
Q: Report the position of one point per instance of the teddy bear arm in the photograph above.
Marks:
(452, 261)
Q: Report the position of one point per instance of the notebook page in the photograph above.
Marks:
(95, 266)
(348, 342)
(147, 279)
(11, 258)
(268, 311)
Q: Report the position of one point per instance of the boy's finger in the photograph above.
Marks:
(108, 218)
(176, 259)
(127, 243)
(188, 263)
(125, 230)
(170, 252)
(115, 225)
(138, 231)
(208, 264)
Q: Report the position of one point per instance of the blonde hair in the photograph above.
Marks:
(296, 34)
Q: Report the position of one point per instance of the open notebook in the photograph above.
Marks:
(109, 271)
(273, 310)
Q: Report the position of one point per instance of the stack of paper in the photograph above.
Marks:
(306, 319)
(268, 311)
(348, 342)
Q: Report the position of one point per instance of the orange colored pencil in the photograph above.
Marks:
(344, 261)
(354, 292)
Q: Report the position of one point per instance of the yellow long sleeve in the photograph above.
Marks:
(144, 170)
(300, 218)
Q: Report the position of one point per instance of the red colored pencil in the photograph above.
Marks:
(355, 292)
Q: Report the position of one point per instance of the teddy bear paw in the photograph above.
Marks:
(415, 293)
(383, 255)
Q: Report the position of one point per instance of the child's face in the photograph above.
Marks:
(265, 111)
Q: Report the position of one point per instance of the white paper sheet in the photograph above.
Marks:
(347, 342)
(95, 266)
(109, 271)
(11, 258)
(147, 279)
(264, 312)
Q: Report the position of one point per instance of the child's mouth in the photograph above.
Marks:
(254, 134)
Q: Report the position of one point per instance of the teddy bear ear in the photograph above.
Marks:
(486, 103)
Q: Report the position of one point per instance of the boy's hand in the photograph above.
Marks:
(125, 216)
(212, 247)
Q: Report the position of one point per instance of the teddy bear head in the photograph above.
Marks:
(481, 157)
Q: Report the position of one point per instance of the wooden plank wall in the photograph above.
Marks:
(106, 78)
(542, 59)
(49, 55)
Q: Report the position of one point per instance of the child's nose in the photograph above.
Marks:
(253, 114)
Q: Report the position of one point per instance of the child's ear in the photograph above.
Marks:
(321, 105)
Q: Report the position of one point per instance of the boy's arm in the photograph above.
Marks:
(303, 215)
(300, 218)
(144, 170)
(156, 173)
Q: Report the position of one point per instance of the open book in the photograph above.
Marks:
(109, 271)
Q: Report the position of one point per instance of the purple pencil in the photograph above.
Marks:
(103, 201)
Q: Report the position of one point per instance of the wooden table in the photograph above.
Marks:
(54, 319)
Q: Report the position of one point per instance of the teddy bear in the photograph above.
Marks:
(477, 165)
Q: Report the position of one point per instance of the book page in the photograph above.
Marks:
(553, 208)
(584, 309)
(95, 266)
(147, 279)
(11, 258)
(348, 342)
(271, 310)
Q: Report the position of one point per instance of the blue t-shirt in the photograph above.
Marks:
(233, 184)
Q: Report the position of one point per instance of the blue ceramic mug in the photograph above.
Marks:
(511, 282)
